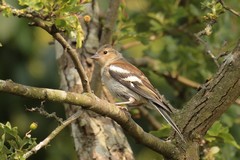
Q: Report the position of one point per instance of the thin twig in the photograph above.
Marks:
(152, 63)
(73, 54)
(228, 8)
(43, 112)
(206, 31)
(181, 79)
(53, 134)
(130, 44)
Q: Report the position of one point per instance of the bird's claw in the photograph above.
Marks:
(124, 108)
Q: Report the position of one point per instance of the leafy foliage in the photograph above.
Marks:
(163, 132)
(12, 146)
(215, 9)
(218, 132)
(220, 143)
(60, 14)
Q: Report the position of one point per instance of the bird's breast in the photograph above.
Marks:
(116, 88)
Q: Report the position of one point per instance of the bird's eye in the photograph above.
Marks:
(105, 52)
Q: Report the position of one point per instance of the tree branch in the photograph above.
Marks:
(43, 112)
(55, 33)
(91, 102)
(214, 98)
(53, 134)
(153, 64)
(111, 18)
(74, 56)
(207, 31)
(229, 9)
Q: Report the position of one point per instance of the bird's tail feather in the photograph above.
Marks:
(168, 119)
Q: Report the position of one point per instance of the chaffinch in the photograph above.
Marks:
(128, 83)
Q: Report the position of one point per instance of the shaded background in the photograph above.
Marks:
(157, 29)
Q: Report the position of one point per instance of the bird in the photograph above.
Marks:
(128, 83)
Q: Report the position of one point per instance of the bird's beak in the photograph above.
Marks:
(95, 56)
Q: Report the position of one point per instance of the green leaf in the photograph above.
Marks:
(34, 4)
(2, 141)
(228, 138)
(13, 131)
(12, 145)
(73, 27)
(218, 131)
(6, 12)
(163, 132)
(60, 23)
(215, 129)
(8, 124)
(80, 36)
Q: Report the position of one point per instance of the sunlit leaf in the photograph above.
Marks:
(163, 132)
(2, 141)
(218, 131)
(12, 145)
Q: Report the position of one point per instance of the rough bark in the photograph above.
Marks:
(95, 136)
(215, 97)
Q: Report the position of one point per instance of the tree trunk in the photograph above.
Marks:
(95, 136)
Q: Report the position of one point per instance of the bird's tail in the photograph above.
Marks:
(168, 119)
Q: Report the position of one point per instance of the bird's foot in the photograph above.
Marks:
(124, 108)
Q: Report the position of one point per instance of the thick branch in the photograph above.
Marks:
(91, 102)
(111, 18)
(214, 98)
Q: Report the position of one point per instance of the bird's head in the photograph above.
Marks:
(105, 55)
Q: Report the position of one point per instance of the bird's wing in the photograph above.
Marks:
(131, 77)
